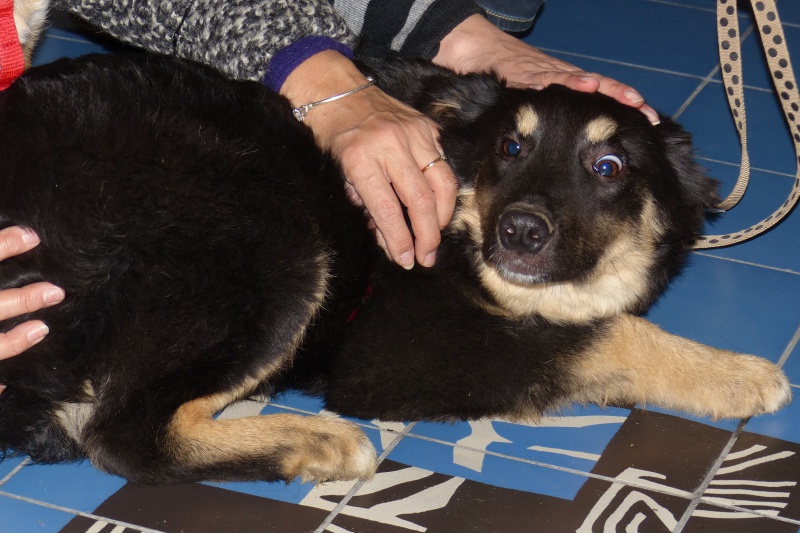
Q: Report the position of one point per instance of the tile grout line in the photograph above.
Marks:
(708, 78)
(75, 512)
(620, 63)
(679, 4)
(752, 168)
(69, 39)
(701, 489)
(572, 471)
(789, 348)
(352, 492)
(748, 263)
(14, 471)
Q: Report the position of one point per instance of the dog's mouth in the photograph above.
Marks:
(519, 252)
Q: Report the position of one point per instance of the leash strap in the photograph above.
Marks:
(774, 43)
(11, 61)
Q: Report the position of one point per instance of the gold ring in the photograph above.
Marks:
(429, 165)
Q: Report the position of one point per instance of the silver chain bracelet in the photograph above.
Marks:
(301, 112)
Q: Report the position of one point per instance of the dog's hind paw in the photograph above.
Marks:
(333, 450)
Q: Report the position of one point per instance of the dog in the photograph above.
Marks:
(209, 251)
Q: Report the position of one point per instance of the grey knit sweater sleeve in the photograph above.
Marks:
(237, 37)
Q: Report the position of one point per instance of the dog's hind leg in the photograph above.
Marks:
(284, 446)
(146, 445)
(154, 416)
(636, 362)
(29, 425)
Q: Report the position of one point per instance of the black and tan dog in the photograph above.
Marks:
(209, 252)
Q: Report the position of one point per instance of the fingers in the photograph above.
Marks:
(386, 175)
(15, 240)
(590, 82)
(382, 146)
(21, 338)
(476, 45)
(429, 197)
(33, 297)
(15, 302)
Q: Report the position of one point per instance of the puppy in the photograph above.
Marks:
(208, 251)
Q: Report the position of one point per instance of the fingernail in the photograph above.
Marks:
(652, 116)
(53, 296)
(537, 86)
(633, 97)
(29, 237)
(407, 260)
(589, 78)
(430, 259)
(37, 334)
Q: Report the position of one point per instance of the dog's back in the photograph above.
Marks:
(190, 221)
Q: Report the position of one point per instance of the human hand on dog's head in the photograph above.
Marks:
(382, 145)
(16, 302)
(476, 45)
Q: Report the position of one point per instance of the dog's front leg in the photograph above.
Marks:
(637, 362)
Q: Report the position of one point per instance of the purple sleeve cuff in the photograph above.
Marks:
(289, 58)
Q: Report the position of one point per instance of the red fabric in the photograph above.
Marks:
(11, 61)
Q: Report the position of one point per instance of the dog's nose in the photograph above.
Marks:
(524, 231)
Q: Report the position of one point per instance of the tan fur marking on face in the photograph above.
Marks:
(600, 129)
(618, 282)
(467, 217)
(527, 121)
(444, 108)
(636, 362)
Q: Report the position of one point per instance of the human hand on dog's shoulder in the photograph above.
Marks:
(476, 45)
(382, 145)
(14, 302)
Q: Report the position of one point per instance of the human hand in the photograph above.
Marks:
(14, 302)
(476, 45)
(382, 145)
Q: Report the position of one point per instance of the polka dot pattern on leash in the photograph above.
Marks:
(777, 56)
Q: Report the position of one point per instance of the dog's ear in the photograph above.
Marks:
(699, 189)
(440, 93)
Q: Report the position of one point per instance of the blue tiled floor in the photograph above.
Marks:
(644, 470)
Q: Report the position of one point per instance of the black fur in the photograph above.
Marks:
(184, 215)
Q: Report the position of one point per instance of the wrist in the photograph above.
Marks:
(322, 76)
(289, 58)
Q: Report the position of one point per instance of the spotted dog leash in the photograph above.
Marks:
(11, 61)
(774, 43)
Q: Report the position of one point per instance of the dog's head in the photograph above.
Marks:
(572, 206)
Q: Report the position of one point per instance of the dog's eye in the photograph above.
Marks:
(510, 147)
(608, 166)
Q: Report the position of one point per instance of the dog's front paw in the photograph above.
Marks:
(333, 450)
(748, 386)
